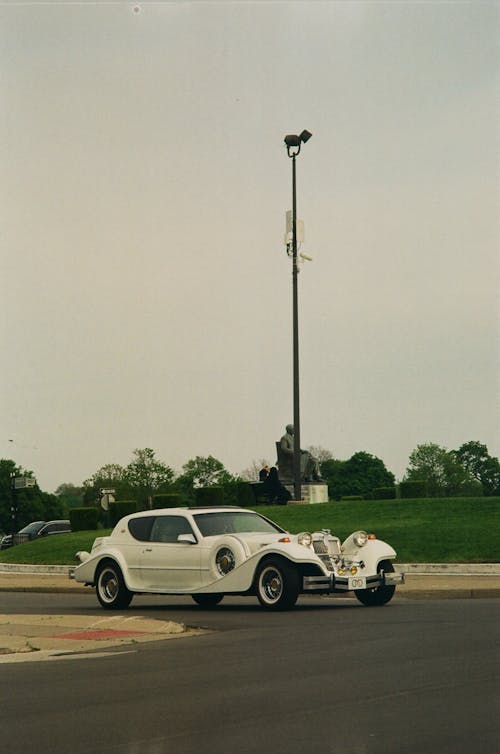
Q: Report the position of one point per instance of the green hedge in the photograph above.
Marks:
(245, 494)
(414, 489)
(168, 500)
(84, 519)
(121, 508)
(383, 493)
(350, 498)
(209, 496)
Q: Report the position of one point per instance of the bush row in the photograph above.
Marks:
(88, 519)
(246, 494)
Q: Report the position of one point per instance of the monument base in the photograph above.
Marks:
(313, 492)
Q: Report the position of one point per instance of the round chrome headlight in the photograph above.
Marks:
(305, 539)
(360, 538)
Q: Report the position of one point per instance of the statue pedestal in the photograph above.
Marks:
(311, 492)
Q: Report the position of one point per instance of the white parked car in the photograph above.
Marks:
(210, 552)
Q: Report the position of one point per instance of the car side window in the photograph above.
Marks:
(140, 528)
(168, 528)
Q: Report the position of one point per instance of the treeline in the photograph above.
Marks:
(19, 507)
(433, 471)
(143, 480)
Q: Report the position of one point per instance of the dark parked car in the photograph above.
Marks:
(35, 530)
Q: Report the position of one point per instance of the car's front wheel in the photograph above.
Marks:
(207, 600)
(379, 595)
(277, 584)
(110, 587)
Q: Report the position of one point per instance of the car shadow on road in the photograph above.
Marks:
(245, 606)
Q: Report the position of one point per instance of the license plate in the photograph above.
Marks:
(357, 582)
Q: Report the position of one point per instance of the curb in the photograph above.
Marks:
(410, 569)
(42, 570)
(449, 569)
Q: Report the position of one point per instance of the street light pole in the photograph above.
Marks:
(293, 144)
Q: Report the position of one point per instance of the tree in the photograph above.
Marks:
(112, 476)
(359, 475)
(251, 473)
(53, 507)
(142, 478)
(205, 472)
(147, 476)
(485, 469)
(70, 495)
(441, 470)
(322, 454)
(21, 506)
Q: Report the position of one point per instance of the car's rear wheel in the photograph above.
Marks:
(207, 600)
(277, 584)
(110, 587)
(379, 595)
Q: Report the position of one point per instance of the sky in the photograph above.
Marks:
(145, 289)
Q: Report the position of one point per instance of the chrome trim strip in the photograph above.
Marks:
(317, 583)
(394, 578)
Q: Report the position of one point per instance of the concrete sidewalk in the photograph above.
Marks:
(44, 637)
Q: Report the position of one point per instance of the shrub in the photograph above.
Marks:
(84, 519)
(168, 500)
(350, 498)
(209, 495)
(383, 493)
(121, 508)
(245, 495)
(413, 489)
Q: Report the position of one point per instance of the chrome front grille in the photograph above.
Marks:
(327, 548)
(326, 544)
(320, 546)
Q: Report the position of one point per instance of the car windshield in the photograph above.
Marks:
(32, 528)
(223, 522)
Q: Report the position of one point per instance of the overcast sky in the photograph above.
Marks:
(145, 290)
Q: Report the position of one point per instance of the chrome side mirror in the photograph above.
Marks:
(189, 539)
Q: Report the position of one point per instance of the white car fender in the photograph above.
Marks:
(86, 572)
(372, 553)
(241, 578)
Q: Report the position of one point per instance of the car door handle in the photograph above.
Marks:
(148, 549)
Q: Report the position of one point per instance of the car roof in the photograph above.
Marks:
(33, 523)
(186, 509)
(58, 521)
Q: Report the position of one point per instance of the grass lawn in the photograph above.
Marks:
(452, 530)
(443, 530)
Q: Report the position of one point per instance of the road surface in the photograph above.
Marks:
(330, 676)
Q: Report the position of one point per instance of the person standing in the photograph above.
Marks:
(263, 473)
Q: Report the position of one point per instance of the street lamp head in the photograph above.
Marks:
(294, 142)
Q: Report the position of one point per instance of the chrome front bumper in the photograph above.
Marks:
(333, 583)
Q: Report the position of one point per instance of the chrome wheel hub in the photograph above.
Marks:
(272, 584)
(225, 561)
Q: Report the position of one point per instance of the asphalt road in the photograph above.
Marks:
(330, 676)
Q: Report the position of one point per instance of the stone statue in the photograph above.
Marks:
(309, 466)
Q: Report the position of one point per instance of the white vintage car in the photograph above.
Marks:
(210, 552)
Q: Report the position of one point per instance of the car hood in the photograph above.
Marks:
(255, 540)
